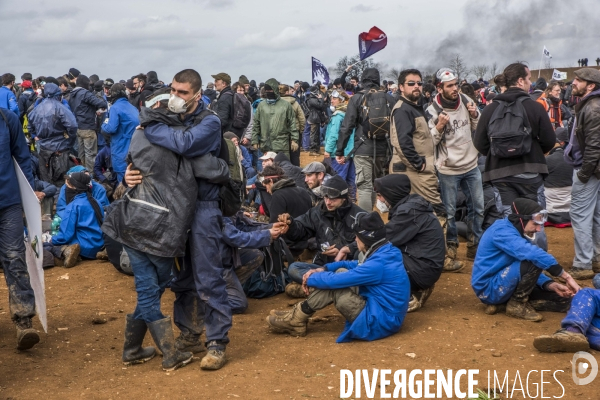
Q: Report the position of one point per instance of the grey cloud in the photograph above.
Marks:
(363, 8)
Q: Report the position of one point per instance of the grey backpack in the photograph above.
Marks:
(509, 129)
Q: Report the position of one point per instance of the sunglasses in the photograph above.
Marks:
(413, 83)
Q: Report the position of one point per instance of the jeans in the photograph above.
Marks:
(585, 219)
(88, 147)
(12, 258)
(151, 274)
(472, 187)
(305, 137)
(347, 171)
(365, 176)
(315, 137)
(583, 315)
(297, 270)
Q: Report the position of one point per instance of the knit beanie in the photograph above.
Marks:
(339, 186)
(541, 84)
(522, 210)
(369, 228)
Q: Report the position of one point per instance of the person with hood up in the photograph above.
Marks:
(55, 129)
(120, 123)
(98, 192)
(317, 107)
(339, 105)
(210, 92)
(86, 106)
(79, 232)
(367, 167)
(291, 171)
(287, 94)
(507, 273)
(413, 228)
(371, 294)
(275, 126)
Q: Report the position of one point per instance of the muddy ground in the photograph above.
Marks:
(81, 359)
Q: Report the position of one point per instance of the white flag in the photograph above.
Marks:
(547, 53)
(559, 76)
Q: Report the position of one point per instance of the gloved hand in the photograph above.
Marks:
(294, 146)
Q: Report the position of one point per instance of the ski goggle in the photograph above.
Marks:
(336, 94)
(332, 193)
(540, 217)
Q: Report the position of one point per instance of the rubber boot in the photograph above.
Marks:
(27, 337)
(188, 342)
(294, 290)
(162, 333)
(293, 323)
(518, 306)
(562, 341)
(71, 255)
(215, 358)
(133, 352)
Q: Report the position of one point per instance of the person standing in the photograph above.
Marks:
(224, 103)
(12, 247)
(452, 119)
(8, 99)
(86, 106)
(583, 152)
(316, 117)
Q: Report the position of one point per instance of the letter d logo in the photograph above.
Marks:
(582, 367)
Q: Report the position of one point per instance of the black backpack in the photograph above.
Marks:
(233, 192)
(509, 129)
(375, 114)
(242, 111)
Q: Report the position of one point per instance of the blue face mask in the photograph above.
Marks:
(271, 101)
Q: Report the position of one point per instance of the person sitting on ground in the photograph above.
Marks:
(103, 170)
(413, 228)
(580, 329)
(315, 175)
(507, 273)
(330, 223)
(80, 226)
(98, 192)
(558, 183)
(268, 158)
(291, 171)
(372, 295)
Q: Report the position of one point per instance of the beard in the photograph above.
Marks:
(413, 96)
(577, 92)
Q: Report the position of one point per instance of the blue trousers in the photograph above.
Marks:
(472, 187)
(12, 258)
(585, 315)
(306, 137)
(151, 274)
(346, 171)
(297, 270)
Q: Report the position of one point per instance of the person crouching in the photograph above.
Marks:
(372, 295)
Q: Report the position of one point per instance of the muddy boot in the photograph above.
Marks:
(162, 333)
(293, 322)
(295, 291)
(581, 274)
(70, 255)
(414, 304)
(27, 337)
(522, 310)
(215, 358)
(492, 309)
(518, 306)
(451, 265)
(58, 262)
(189, 343)
(562, 341)
(424, 295)
(596, 267)
(102, 255)
(471, 251)
(133, 352)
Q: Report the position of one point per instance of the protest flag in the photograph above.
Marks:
(319, 72)
(371, 42)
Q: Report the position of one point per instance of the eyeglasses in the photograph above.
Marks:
(413, 83)
(332, 193)
(540, 217)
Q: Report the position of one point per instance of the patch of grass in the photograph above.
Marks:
(483, 396)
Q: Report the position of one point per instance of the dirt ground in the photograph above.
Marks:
(81, 359)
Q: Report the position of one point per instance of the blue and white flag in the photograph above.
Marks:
(547, 53)
(319, 72)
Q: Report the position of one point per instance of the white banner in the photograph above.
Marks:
(559, 76)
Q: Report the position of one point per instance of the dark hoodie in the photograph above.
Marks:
(414, 229)
(352, 120)
(291, 171)
(498, 169)
(288, 198)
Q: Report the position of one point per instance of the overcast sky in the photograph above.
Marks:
(276, 38)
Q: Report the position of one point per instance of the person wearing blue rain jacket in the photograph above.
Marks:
(120, 124)
(507, 271)
(8, 99)
(373, 295)
(81, 221)
(98, 193)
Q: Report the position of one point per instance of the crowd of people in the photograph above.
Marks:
(201, 191)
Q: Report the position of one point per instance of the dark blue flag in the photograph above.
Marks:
(319, 72)
(371, 42)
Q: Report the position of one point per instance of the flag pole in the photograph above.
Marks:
(541, 61)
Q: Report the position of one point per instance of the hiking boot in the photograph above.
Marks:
(27, 337)
(102, 255)
(581, 274)
(133, 352)
(562, 341)
(414, 304)
(70, 255)
(293, 323)
(522, 310)
(215, 358)
(58, 262)
(295, 291)
(162, 333)
(471, 252)
(424, 295)
(314, 154)
(596, 266)
(451, 265)
(451, 250)
(189, 343)
(492, 309)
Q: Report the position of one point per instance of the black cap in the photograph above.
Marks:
(73, 73)
(369, 228)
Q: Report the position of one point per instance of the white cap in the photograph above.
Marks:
(268, 155)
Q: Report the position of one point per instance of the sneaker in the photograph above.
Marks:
(189, 343)
(581, 274)
(524, 311)
(414, 304)
(71, 255)
(451, 265)
(492, 309)
(214, 359)
(27, 337)
(562, 341)
(294, 290)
